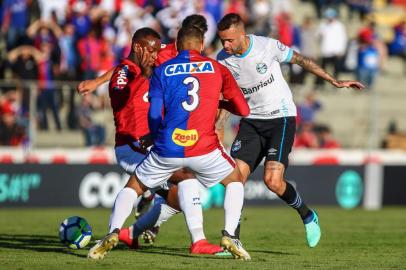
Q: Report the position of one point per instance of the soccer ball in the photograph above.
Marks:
(75, 232)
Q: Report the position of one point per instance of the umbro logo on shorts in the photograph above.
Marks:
(272, 152)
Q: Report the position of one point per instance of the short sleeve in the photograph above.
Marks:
(230, 87)
(155, 88)
(279, 51)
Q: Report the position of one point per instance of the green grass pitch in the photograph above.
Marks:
(274, 236)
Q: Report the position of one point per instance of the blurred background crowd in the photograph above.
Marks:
(48, 46)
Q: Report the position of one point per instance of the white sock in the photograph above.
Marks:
(166, 213)
(136, 202)
(233, 202)
(189, 201)
(122, 208)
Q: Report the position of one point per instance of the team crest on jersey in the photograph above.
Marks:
(122, 78)
(262, 68)
(185, 137)
(189, 68)
(236, 146)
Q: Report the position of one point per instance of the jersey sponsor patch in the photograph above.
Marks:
(185, 137)
(251, 90)
(122, 78)
(189, 68)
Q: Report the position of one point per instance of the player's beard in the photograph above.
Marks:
(237, 50)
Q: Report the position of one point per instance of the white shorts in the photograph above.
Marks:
(209, 169)
(127, 158)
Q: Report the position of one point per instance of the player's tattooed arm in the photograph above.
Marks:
(311, 66)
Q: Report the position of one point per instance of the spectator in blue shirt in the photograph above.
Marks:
(368, 59)
(14, 21)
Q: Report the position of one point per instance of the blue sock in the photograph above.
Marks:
(148, 220)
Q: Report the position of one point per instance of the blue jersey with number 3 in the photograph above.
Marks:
(189, 87)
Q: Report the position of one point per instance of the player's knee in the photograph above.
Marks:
(274, 183)
(135, 184)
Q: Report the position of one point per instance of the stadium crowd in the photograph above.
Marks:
(72, 40)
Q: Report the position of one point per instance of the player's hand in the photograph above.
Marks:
(146, 141)
(146, 61)
(87, 87)
(348, 84)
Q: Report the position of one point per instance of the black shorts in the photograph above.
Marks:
(257, 138)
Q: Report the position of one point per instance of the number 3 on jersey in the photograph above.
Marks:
(193, 86)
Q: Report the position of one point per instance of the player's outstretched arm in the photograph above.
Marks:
(89, 86)
(311, 66)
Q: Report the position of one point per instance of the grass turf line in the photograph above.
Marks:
(274, 237)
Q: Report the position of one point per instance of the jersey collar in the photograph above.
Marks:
(188, 53)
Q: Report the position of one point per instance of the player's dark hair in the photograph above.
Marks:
(188, 36)
(229, 20)
(143, 33)
(197, 21)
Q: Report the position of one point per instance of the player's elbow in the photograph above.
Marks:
(245, 111)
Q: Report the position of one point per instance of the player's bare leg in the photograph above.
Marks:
(274, 180)
(121, 210)
(233, 203)
(187, 188)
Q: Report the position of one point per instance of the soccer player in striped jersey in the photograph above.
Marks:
(128, 92)
(187, 90)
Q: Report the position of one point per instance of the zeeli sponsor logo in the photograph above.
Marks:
(185, 137)
(248, 91)
(16, 187)
(101, 190)
(189, 68)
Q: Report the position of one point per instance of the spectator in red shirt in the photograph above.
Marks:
(326, 139)
(11, 132)
(90, 50)
(306, 138)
